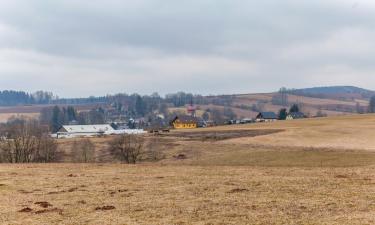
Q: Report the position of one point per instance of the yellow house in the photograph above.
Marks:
(184, 122)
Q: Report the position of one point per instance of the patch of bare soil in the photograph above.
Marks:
(72, 189)
(238, 190)
(180, 156)
(43, 204)
(25, 192)
(25, 210)
(224, 134)
(54, 210)
(105, 208)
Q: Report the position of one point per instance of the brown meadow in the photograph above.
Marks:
(314, 171)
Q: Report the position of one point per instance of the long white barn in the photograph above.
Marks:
(71, 131)
(84, 130)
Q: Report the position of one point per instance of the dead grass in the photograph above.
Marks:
(187, 195)
(318, 171)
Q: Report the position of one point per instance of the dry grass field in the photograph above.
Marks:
(313, 171)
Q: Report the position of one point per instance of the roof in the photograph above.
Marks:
(267, 115)
(185, 119)
(98, 128)
(296, 115)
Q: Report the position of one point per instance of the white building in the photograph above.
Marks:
(72, 131)
(83, 130)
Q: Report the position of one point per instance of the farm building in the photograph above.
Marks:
(71, 131)
(266, 117)
(295, 115)
(84, 130)
(184, 122)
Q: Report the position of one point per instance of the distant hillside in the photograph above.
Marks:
(330, 101)
(335, 92)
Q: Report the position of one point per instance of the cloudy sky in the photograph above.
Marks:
(94, 47)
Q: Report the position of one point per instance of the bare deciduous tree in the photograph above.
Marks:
(25, 142)
(83, 151)
(127, 148)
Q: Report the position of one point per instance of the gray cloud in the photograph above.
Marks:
(80, 48)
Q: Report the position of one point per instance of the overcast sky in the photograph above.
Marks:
(95, 47)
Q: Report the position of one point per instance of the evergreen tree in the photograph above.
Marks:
(56, 119)
(371, 107)
(72, 115)
(294, 108)
(282, 114)
(140, 106)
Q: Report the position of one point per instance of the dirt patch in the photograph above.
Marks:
(180, 156)
(72, 189)
(224, 134)
(43, 204)
(105, 208)
(238, 190)
(25, 210)
(25, 192)
(54, 210)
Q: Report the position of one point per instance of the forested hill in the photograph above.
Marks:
(334, 92)
(19, 98)
(148, 103)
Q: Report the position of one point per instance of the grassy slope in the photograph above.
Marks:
(259, 180)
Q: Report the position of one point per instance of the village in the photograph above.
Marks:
(189, 120)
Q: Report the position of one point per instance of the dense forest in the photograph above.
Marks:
(12, 98)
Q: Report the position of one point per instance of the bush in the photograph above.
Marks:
(127, 148)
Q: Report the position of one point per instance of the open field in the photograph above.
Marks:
(313, 171)
(144, 194)
(4, 117)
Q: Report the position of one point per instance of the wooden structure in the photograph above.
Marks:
(184, 122)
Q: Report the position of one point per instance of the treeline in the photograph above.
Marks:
(11, 98)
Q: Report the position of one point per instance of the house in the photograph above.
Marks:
(266, 117)
(184, 122)
(84, 130)
(295, 115)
